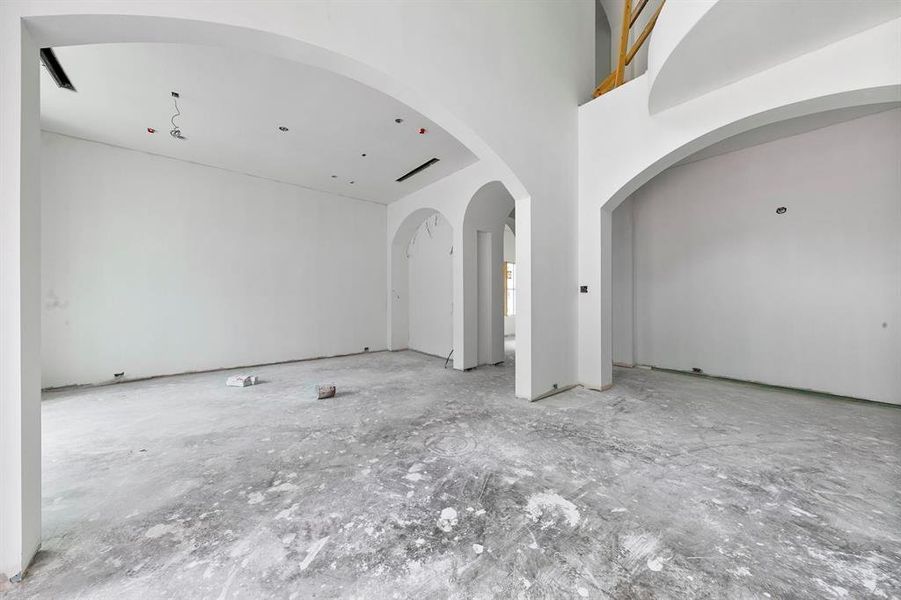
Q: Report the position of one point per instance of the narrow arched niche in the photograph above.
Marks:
(421, 295)
(483, 284)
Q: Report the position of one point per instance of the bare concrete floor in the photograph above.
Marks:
(421, 482)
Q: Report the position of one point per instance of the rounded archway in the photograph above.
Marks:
(277, 32)
(636, 146)
(420, 302)
(483, 274)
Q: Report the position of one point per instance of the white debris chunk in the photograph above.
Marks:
(241, 380)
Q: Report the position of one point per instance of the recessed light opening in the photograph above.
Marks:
(282, 128)
(55, 69)
(418, 169)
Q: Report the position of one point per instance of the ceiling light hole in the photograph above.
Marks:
(334, 177)
(781, 210)
(351, 183)
(282, 128)
(364, 154)
(151, 130)
(398, 120)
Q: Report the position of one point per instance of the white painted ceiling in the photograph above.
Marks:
(788, 128)
(738, 38)
(232, 103)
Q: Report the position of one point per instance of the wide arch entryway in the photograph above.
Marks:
(185, 23)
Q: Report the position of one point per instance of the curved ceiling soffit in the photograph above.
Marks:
(80, 29)
(858, 97)
(689, 33)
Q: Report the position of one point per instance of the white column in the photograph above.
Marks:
(623, 285)
(485, 306)
(459, 270)
(20, 292)
(497, 295)
(606, 292)
(595, 306)
(524, 298)
(469, 344)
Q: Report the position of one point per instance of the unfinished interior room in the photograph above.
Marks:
(459, 300)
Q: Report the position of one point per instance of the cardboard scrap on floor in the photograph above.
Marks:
(241, 380)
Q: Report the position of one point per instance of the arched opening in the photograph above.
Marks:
(484, 224)
(22, 480)
(421, 295)
(596, 355)
(728, 262)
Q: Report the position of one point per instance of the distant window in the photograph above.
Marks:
(509, 289)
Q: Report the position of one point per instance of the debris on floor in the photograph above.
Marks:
(241, 380)
(706, 505)
(326, 390)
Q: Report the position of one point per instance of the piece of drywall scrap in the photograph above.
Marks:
(241, 380)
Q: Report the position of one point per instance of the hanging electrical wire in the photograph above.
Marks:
(176, 130)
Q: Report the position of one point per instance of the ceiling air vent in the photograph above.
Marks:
(55, 69)
(421, 167)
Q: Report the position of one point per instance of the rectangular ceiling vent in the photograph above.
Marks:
(55, 69)
(418, 169)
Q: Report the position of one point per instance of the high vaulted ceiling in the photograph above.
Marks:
(232, 104)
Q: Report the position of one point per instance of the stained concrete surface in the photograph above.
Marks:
(421, 482)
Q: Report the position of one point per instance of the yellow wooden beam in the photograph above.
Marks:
(606, 85)
(623, 44)
(644, 34)
(637, 12)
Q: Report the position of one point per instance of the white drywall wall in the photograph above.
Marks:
(623, 305)
(153, 265)
(431, 293)
(808, 299)
(509, 256)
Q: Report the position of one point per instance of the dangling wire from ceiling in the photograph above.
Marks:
(176, 131)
